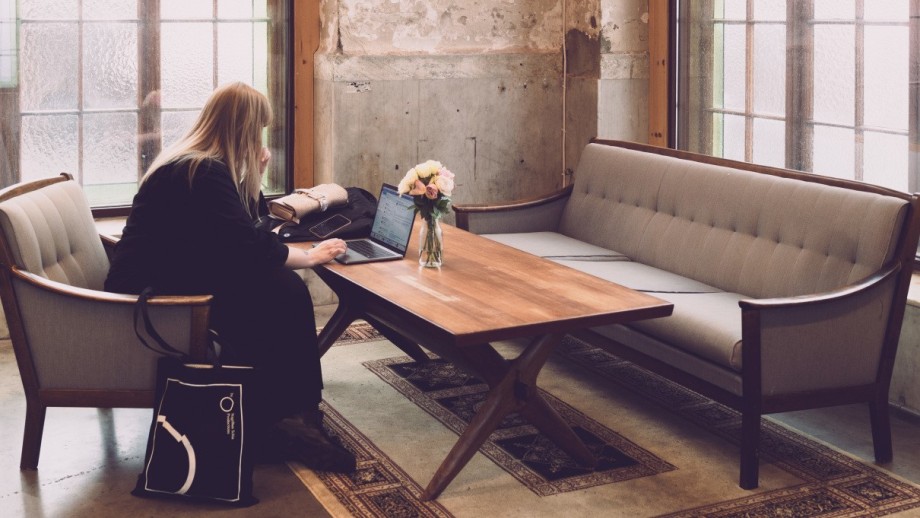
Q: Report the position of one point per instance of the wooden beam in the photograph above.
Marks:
(306, 42)
(658, 44)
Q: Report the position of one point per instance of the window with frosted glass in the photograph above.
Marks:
(105, 85)
(8, 44)
(816, 85)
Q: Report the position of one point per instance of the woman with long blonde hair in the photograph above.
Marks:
(192, 229)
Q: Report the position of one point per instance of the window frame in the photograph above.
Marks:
(665, 13)
(280, 26)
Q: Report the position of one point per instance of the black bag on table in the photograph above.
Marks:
(197, 448)
(360, 211)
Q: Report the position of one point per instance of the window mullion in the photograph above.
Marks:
(749, 83)
(913, 139)
(80, 119)
(859, 88)
(148, 82)
(799, 84)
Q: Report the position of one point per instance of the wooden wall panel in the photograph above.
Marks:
(306, 41)
(658, 43)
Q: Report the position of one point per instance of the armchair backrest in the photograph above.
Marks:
(48, 229)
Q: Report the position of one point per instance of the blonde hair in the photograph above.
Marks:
(229, 130)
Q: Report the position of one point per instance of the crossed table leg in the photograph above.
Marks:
(512, 388)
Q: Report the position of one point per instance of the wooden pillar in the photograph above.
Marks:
(659, 66)
(306, 41)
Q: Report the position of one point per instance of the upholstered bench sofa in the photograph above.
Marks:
(788, 288)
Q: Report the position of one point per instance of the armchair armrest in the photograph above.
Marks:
(823, 341)
(110, 354)
(528, 215)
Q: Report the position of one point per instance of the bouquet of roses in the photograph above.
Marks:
(431, 184)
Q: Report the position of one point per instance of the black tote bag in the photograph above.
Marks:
(200, 441)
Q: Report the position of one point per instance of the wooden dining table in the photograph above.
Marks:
(483, 293)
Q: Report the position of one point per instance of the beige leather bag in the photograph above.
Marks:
(307, 201)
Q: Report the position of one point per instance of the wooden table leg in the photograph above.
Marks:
(342, 318)
(407, 346)
(512, 389)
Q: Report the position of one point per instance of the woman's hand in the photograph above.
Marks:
(264, 159)
(327, 250)
(322, 253)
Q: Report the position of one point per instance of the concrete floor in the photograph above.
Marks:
(90, 458)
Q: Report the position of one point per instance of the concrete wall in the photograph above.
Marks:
(505, 93)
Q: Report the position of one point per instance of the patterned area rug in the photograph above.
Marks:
(831, 483)
(452, 397)
(836, 484)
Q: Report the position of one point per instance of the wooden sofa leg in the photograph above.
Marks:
(750, 462)
(32, 435)
(881, 430)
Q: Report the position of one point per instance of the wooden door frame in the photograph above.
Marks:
(660, 17)
(306, 26)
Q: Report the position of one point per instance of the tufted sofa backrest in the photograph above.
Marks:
(50, 232)
(750, 233)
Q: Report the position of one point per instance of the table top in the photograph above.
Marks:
(485, 291)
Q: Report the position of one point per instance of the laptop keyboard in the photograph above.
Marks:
(366, 249)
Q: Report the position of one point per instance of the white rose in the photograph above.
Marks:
(445, 184)
(408, 181)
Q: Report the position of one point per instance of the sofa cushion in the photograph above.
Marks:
(706, 322)
(707, 325)
(640, 277)
(739, 231)
(553, 245)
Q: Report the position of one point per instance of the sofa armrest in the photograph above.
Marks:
(820, 342)
(103, 349)
(540, 214)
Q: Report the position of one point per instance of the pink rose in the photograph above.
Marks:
(431, 191)
(418, 188)
(446, 173)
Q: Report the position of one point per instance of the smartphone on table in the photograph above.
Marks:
(329, 226)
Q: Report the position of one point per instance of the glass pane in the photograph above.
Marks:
(773, 10)
(885, 158)
(734, 67)
(49, 146)
(260, 56)
(733, 137)
(48, 62)
(260, 9)
(186, 9)
(174, 125)
(770, 69)
(110, 9)
(110, 65)
(887, 10)
(8, 45)
(234, 53)
(769, 142)
(836, 9)
(886, 83)
(834, 152)
(234, 9)
(109, 148)
(835, 64)
(7, 71)
(187, 64)
(730, 9)
(48, 9)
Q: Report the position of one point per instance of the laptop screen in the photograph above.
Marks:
(393, 222)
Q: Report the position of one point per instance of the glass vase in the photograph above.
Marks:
(430, 244)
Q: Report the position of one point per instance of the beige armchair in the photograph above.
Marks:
(74, 343)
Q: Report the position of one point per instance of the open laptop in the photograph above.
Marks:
(390, 232)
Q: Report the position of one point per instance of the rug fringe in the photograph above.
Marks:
(322, 494)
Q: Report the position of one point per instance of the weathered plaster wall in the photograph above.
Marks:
(623, 86)
(481, 85)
